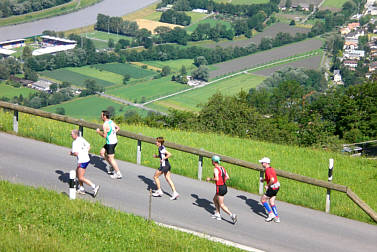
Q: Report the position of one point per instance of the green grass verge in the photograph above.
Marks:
(149, 89)
(36, 219)
(104, 36)
(123, 68)
(357, 173)
(50, 12)
(87, 107)
(91, 71)
(191, 99)
(77, 79)
(10, 92)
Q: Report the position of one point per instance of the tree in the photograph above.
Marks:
(200, 73)
(292, 22)
(26, 52)
(183, 70)
(60, 111)
(30, 74)
(200, 60)
(288, 4)
(111, 110)
(53, 87)
(126, 78)
(4, 72)
(111, 43)
(165, 71)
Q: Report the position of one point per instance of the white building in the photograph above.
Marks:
(353, 54)
(42, 85)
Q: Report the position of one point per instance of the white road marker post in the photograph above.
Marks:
(261, 177)
(331, 166)
(200, 167)
(72, 187)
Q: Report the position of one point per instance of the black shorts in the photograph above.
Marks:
(271, 192)
(221, 189)
(110, 148)
(165, 168)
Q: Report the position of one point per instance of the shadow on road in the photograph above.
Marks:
(149, 182)
(254, 205)
(64, 176)
(98, 162)
(204, 203)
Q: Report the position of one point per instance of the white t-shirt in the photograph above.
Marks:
(81, 146)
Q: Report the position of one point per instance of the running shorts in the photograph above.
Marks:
(221, 189)
(83, 165)
(110, 148)
(271, 192)
(165, 168)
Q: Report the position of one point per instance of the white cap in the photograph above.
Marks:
(265, 160)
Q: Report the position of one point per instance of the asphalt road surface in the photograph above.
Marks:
(36, 163)
(81, 18)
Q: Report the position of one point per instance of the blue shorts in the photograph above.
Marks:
(83, 165)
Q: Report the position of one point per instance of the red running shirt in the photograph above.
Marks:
(221, 173)
(270, 173)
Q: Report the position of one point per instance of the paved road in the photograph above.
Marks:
(84, 17)
(40, 164)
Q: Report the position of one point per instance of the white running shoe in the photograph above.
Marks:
(174, 196)
(270, 217)
(157, 193)
(110, 170)
(234, 218)
(216, 216)
(116, 176)
(80, 191)
(277, 219)
(95, 191)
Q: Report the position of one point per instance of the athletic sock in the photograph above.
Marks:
(274, 210)
(82, 188)
(267, 206)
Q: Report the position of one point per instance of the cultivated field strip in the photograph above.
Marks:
(270, 32)
(264, 57)
(307, 63)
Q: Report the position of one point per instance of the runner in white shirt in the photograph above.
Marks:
(80, 149)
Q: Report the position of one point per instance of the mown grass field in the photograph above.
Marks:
(10, 92)
(76, 79)
(105, 36)
(97, 73)
(357, 173)
(36, 219)
(175, 65)
(191, 99)
(124, 68)
(210, 21)
(149, 89)
(89, 108)
(50, 12)
(333, 3)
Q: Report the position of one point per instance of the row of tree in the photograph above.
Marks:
(10, 8)
(175, 17)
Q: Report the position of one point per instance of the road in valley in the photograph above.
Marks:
(81, 18)
(35, 163)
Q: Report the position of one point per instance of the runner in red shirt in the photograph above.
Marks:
(220, 176)
(272, 187)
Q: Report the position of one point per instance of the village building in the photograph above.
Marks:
(353, 54)
(372, 66)
(6, 52)
(338, 77)
(42, 85)
(10, 44)
(351, 64)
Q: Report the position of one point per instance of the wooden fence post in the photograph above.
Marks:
(261, 177)
(15, 121)
(331, 166)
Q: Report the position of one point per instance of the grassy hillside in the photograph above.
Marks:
(41, 220)
(10, 92)
(359, 174)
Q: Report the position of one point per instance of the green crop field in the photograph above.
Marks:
(154, 16)
(76, 79)
(210, 21)
(89, 108)
(175, 65)
(149, 90)
(10, 92)
(242, 1)
(123, 68)
(98, 74)
(37, 219)
(334, 3)
(105, 36)
(359, 174)
(196, 17)
(189, 100)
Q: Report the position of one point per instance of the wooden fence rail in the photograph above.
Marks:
(199, 152)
